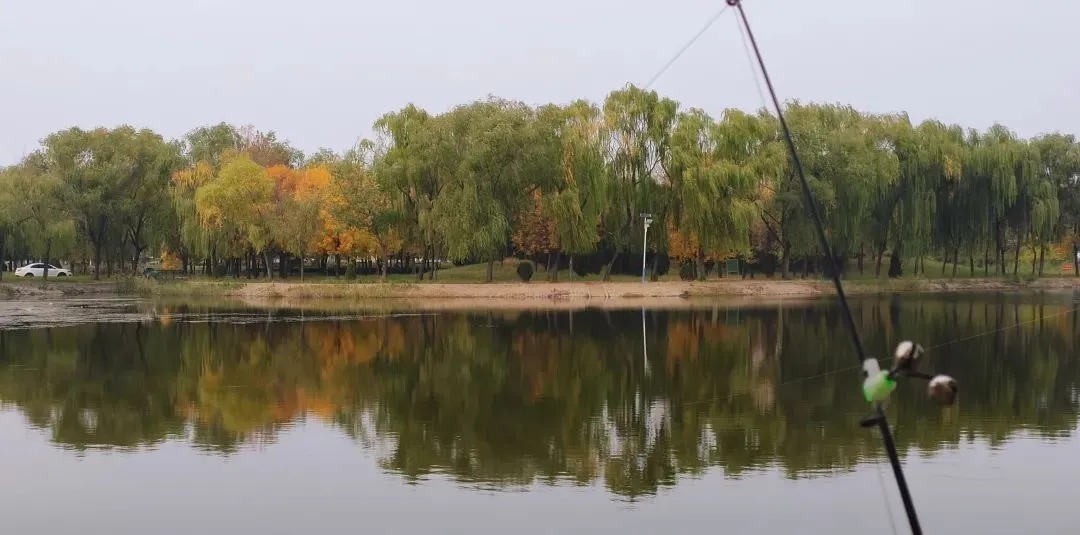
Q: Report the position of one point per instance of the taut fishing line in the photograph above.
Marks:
(878, 384)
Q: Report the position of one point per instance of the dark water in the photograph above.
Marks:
(211, 419)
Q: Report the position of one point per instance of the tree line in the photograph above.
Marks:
(565, 186)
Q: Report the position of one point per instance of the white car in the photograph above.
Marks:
(38, 270)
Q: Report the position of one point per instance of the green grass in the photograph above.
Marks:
(506, 272)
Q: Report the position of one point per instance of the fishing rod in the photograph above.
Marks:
(878, 384)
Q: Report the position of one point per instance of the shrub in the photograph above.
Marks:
(686, 271)
(525, 271)
(663, 264)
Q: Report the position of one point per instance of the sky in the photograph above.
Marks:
(320, 72)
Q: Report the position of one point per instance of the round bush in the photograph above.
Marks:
(525, 271)
(686, 271)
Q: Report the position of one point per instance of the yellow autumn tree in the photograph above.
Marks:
(301, 199)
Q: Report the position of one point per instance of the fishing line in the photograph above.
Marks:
(878, 384)
(750, 62)
(885, 497)
(941, 345)
(686, 47)
(879, 418)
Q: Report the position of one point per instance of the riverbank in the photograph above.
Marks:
(518, 291)
(521, 291)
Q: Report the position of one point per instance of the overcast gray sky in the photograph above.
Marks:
(319, 72)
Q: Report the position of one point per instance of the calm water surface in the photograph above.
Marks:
(717, 418)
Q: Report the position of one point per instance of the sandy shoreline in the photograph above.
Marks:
(29, 304)
(500, 294)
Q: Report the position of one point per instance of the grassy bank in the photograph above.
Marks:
(461, 283)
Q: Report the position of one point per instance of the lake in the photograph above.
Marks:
(136, 417)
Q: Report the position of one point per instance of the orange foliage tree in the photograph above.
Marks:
(534, 232)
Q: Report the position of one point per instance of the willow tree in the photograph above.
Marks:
(1034, 214)
(14, 213)
(638, 130)
(1059, 163)
(992, 170)
(191, 238)
(567, 171)
(861, 171)
(404, 168)
(211, 144)
(533, 232)
(477, 202)
(50, 230)
(206, 149)
(576, 201)
(782, 208)
(907, 209)
(712, 182)
(98, 170)
(145, 212)
(236, 203)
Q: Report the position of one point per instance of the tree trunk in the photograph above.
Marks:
(986, 261)
(301, 256)
(385, 267)
(606, 275)
(97, 259)
(1076, 261)
(699, 265)
(337, 265)
(955, 259)
(785, 263)
(896, 267)
(489, 276)
(1016, 257)
(1042, 258)
(653, 275)
(45, 270)
(135, 259)
(862, 256)
(266, 264)
(553, 274)
(971, 262)
(3, 265)
(880, 256)
(434, 264)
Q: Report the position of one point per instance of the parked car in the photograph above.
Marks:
(38, 270)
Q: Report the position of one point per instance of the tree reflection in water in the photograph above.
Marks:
(515, 398)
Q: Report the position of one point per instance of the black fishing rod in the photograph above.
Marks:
(877, 383)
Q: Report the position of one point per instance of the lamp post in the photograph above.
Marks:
(647, 220)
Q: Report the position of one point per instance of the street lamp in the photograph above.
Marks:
(647, 220)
